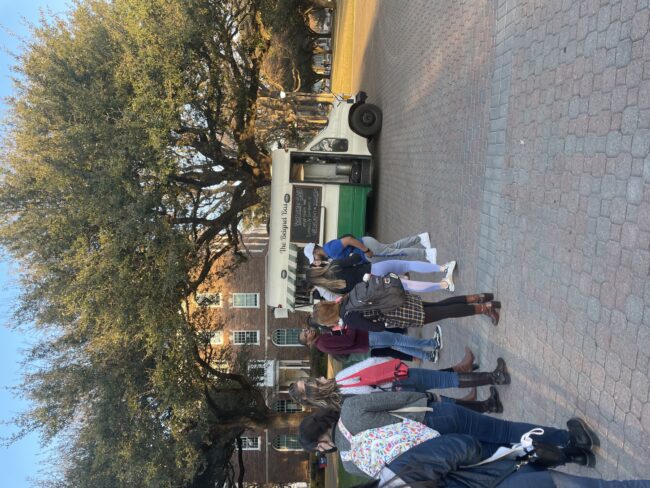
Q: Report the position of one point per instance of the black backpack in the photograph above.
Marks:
(382, 293)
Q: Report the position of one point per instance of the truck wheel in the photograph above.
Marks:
(366, 120)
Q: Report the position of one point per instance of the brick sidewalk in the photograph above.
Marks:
(517, 133)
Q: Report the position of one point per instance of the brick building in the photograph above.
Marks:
(238, 302)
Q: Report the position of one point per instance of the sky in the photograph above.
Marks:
(20, 461)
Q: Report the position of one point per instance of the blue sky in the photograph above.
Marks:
(20, 461)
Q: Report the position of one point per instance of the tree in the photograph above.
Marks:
(131, 157)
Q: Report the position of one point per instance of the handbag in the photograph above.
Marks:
(377, 374)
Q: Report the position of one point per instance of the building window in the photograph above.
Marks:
(246, 300)
(217, 338)
(209, 300)
(286, 442)
(241, 337)
(287, 406)
(286, 337)
(250, 443)
(220, 365)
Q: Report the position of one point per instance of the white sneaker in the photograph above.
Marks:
(425, 240)
(450, 266)
(450, 284)
(438, 336)
(432, 255)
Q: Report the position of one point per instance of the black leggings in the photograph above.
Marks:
(448, 308)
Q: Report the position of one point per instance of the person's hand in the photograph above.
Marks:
(368, 253)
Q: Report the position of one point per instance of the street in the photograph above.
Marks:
(517, 133)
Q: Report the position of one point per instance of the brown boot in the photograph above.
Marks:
(491, 309)
(480, 298)
(491, 405)
(467, 363)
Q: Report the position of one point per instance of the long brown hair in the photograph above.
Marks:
(326, 276)
(320, 394)
(326, 313)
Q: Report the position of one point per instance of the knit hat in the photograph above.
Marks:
(309, 252)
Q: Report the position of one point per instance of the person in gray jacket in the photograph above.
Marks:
(321, 431)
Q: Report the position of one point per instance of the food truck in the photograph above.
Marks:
(318, 193)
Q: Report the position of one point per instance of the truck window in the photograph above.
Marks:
(331, 144)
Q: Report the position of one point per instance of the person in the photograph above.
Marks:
(412, 313)
(329, 393)
(327, 430)
(413, 248)
(359, 341)
(448, 461)
(339, 276)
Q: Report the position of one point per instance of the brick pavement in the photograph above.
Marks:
(517, 133)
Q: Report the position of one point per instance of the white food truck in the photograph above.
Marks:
(319, 193)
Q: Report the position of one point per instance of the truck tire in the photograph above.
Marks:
(366, 120)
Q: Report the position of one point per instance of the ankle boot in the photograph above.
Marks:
(480, 298)
(581, 435)
(467, 363)
(550, 456)
(491, 309)
(576, 455)
(491, 405)
(499, 376)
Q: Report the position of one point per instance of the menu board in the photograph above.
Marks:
(305, 213)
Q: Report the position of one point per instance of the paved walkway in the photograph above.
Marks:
(517, 132)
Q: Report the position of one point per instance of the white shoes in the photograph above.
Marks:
(432, 255)
(449, 268)
(425, 240)
(450, 284)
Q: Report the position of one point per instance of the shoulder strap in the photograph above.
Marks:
(346, 432)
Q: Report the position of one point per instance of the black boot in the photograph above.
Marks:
(491, 405)
(581, 435)
(499, 376)
(550, 456)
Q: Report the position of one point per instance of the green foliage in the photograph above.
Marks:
(129, 161)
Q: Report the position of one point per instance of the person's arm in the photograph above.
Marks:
(339, 343)
(354, 242)
(389, 401)
(436, 458)
(356, 320)
(326, 294)
(352, 260)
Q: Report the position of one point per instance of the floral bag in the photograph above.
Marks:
(372, 449)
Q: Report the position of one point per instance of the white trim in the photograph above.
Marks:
(233, 335)
(256, 441)
(217, 338)
(209, 297)
(273, 334)
(257, 300)
(285, 449)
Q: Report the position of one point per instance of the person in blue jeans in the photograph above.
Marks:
(329, 393)
(412, 248)
(322, 430)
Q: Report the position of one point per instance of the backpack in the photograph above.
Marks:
(377, 374)
(382, 293)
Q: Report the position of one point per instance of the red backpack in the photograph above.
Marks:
(378, 374)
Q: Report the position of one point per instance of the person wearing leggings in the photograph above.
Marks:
(412, 313)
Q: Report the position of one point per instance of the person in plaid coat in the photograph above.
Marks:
(414, 312)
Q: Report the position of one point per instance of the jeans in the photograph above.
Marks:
(402, 343)
(401, 267)
(534, 477)
(420, 379)
(408, 249)
(449, 418)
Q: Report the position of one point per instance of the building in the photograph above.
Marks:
(238, 302)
